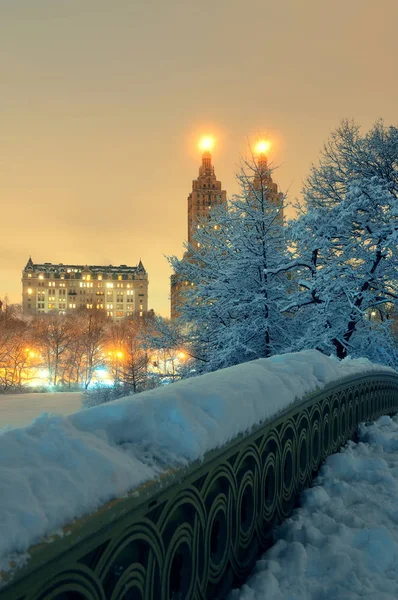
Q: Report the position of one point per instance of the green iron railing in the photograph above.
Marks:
(197, 532)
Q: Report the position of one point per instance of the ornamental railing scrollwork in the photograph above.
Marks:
(197, 532)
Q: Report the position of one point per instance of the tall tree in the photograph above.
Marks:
(346, 243)
(54, 335)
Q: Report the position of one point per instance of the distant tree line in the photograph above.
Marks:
(68, 350)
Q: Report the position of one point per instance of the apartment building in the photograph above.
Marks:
(120, 291)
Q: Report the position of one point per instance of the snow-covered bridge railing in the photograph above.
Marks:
(195, 531)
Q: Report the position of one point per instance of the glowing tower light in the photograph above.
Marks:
(262, 147)
(206, 143)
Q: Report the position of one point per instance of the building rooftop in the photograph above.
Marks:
(76, 271)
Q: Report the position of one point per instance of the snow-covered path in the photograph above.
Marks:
(343, 541)
(18, 410)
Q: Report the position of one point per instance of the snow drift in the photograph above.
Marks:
(60, 468)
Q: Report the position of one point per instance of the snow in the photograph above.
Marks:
(103, 452)
(343, 540)
(17, 410)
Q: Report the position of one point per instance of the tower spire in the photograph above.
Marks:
(206, 160)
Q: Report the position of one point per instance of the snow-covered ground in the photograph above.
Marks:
(343, 541)
(103, 452)
(18, 410)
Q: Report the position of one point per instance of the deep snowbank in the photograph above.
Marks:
(60, 468)
(343, 541)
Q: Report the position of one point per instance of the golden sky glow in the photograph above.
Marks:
(102, 105)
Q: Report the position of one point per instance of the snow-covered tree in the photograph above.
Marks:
(232, 300)
(346, 242)
(349, 156)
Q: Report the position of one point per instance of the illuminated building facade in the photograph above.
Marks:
(119, 291)
(206, 193)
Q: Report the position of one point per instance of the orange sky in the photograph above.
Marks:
(101, 103)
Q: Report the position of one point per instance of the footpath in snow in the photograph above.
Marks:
(342, 543)
(60, 468)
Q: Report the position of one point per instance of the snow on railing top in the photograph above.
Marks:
(61, 468)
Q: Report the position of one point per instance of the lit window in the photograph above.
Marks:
(29, 290)
(99, 277)
(88, 277)
(40, 276)
(29, 275)
(120, 277)
(109, 285)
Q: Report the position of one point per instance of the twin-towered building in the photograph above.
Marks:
(119, 291)
(206, 193)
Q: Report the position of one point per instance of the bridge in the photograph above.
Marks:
(196, 531)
